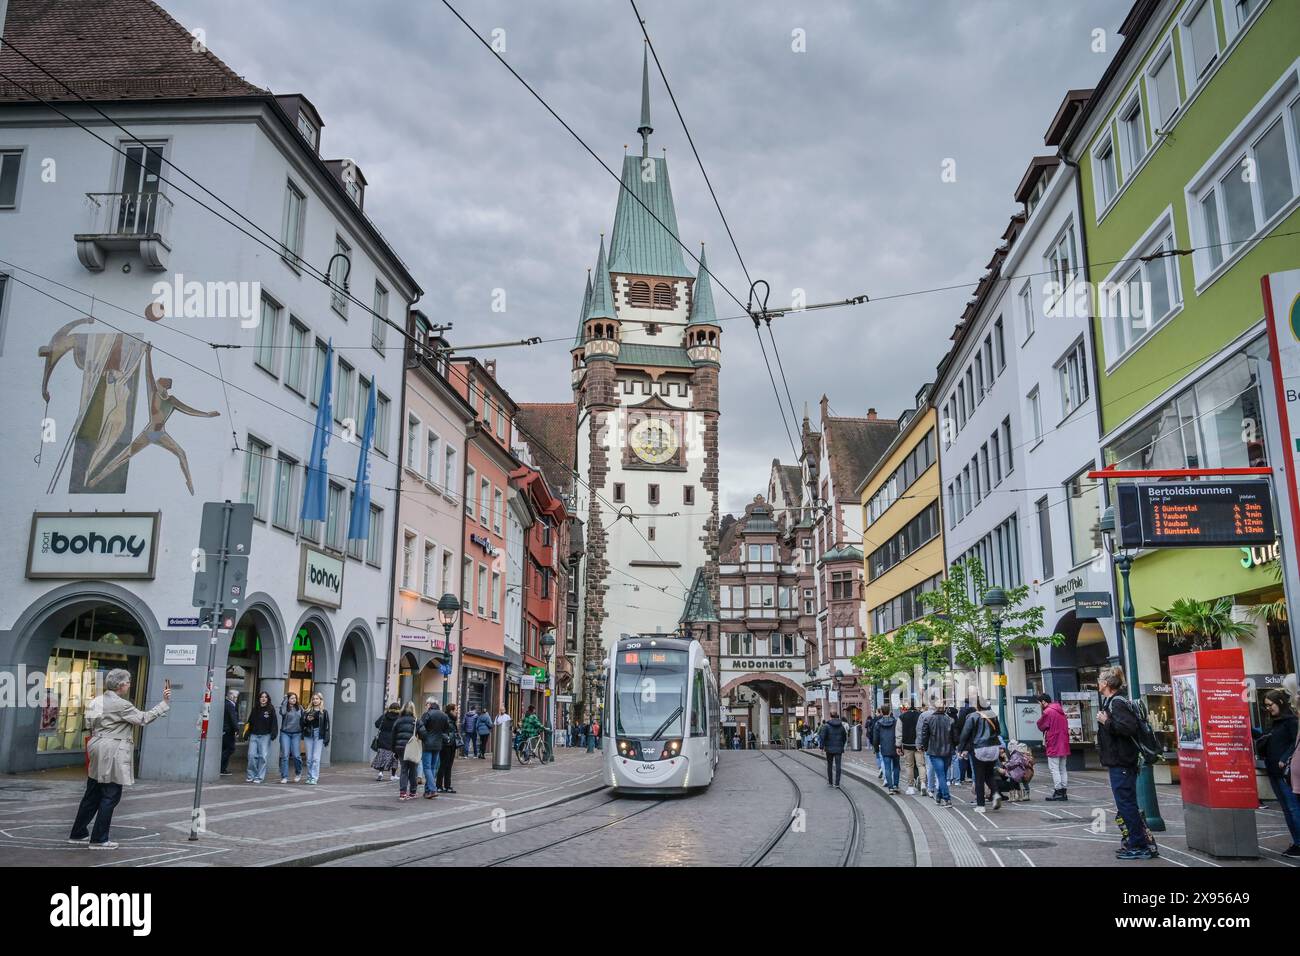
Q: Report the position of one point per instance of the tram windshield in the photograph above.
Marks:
(650, 694)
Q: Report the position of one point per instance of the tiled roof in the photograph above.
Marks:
(639, 245)
(108, 50)
(854, 445)
(552, 437)
(791, 477)
(669, 356)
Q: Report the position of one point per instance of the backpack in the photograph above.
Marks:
(1149, 749)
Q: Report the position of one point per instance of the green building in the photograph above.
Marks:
(1189, 160)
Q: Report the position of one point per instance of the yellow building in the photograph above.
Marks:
(902, 531)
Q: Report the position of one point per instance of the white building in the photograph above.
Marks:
(139, 419)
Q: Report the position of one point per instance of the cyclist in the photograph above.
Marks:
(532, 727)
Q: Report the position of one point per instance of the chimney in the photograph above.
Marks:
(826, 407)
(871, 414)
(491, 366)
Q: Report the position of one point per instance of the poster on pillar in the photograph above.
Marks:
(1216, 763)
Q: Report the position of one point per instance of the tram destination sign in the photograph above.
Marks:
(1200, 514)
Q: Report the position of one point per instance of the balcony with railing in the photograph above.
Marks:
(136, 222)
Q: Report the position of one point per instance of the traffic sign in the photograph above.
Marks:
(444, 669)
(205, 583)
(241, 528)
(1196, 514)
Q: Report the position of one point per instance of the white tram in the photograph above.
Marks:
(662, 716)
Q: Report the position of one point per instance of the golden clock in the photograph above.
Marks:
(653, 440)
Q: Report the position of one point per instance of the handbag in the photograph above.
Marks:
(374, 743)
(413, 750)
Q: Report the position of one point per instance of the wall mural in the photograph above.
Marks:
(99, 444)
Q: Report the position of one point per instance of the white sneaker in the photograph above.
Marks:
(284, 779)
(297, 778)
(106, 845)
(997, 800)
(979, 810)
(911, 791)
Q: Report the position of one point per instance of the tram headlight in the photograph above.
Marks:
(672, 748)
(627, 748)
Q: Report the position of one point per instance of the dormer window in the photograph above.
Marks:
(354, 190)
(308, 129)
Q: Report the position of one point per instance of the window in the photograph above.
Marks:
(482, 591)
(340, 266)
(975, 477)
(984, 468)
(432, 446)
(10, 165)
(255, 457)
(999, 553)
(295, 205)
(1083, 496)
(995, 453)
(307, 128)
(971, 400)
(318, 372)
(265, 351)
(363, 403)
(638, 294)
(653, 494)
(1200, 42)
(449, 472)
(1144, 297)
(807, 551)
(911, 538)
(466, 583)
(1241, 12)
(286, 470)
(355, 545)
(1107, 176)
(296, 355)
(989, 371)
(469, 491)
(1026, 311)
(952, 505)
(446, 571)
(501, 422)
(343, 391)
(979, 377)
(619, 493)
(688, 495)
(496, 591)
(1133, 135)
(1045, 536)
(1006, 443)
(1162, 88)
(381, 423)
(999, 346)
(484, 501)
(663, 296)
(961, 405)
(1035, 416)
(336, 518)
(650, 533)
(377, 323)
(498, 510)
(1062, 262)
(1072, 373)
(375, 536)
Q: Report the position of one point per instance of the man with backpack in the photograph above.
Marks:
(913, 760)
(833, 736)
(884, 738)
(1118, 729)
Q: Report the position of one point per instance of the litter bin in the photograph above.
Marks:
(502, 745)
(855, 736)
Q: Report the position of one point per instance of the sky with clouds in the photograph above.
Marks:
(827, 162)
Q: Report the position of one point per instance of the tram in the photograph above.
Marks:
(663, 715)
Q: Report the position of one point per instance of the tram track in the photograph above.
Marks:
(784, 831)
(855, 834)
(770, 843)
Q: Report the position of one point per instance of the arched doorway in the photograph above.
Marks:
(407, 668)
(253, 664)
(64, 645)
(354, 697)
(770, 701)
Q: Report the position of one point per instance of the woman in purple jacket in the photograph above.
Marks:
(1056, 738)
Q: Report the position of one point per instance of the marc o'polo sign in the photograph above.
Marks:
(93, 545)
(320, 578)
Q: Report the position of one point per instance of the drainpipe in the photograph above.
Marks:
(397, 515)
(459, 659)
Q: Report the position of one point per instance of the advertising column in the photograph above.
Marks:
(1216, 763)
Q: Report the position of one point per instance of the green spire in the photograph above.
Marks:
(645, 129)
(601, 305)
(702, 312)
(582, 314)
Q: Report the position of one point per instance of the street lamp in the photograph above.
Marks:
(925, 640)
(548, 642)
(1148, 804)
(590, 669)
(995, 601)
(448, 612)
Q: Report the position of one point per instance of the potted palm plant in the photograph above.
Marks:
(1202, 624)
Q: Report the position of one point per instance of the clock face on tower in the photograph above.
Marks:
(653, 440)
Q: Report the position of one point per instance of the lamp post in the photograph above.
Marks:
(548, 642)
(1148, 804)
(448, 612)
(995, 601)
(924, 640)
(590, 670)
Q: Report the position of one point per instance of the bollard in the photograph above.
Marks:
(502, 745)
(591, 742)
(855, 734)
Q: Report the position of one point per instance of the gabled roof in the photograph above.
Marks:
(601, 305)
(790, 477)
(699, 603)
(550, 430)
(854, 445)
(702, 312)
(639, 245)
(109, 50)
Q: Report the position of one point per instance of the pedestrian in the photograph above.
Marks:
(954, 762)
(483, 729)
(229, 729)
(316, 735)
(385, 757)
(913, 761)
(965, 767)
(735, 741)
(469, 736)
(110, 751)
(595, 731)
(403, 735)
(263, 724)
(927, 775)
(753, 741)
(936, 742)
(1056, 741)
(833, 737)
(450, 743)
(1277, 749)
(1018, 765)
(434, 728)
(290, 737)
(1117, 728)
(980, 741)
(884, 734)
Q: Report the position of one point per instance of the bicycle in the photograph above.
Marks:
(530, 747)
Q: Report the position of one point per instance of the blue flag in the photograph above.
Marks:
(315, 495)
(359, 524)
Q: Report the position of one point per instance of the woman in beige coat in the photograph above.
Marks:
(112, 720)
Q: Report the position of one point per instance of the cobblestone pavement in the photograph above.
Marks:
(1080, 832)
(272, 824)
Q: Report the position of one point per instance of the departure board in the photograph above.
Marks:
(1199, 514)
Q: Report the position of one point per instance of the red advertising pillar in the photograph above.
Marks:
(1216, 762)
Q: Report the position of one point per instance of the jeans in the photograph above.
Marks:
(429, 760)
(315, 747)
(444, 768)
(1289, 803)
(289, 747)
(481, 748)
(834, 761)
(890, 762)
(467, 743)
(98, 802)
(939, 773)
(1060, 778)
(965, 766)
(259, 747)
(1132, 828)
(407, 776)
